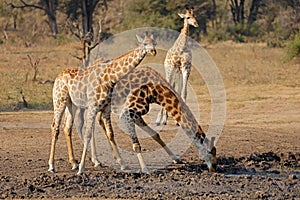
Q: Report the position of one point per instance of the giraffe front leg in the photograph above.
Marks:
(90, 121)
(185, 76)
(95, 159)
(130, 127)
(159, 116)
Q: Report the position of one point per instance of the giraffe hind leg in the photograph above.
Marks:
(58, 113)
(68, 124)
(105, 124)
(144, 126)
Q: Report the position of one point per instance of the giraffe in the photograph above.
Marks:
(88, 89)
(134, 93)
(178, 61)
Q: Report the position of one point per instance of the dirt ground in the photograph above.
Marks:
(258, 156)
(258, 151)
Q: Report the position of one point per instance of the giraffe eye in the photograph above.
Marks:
(188, 17)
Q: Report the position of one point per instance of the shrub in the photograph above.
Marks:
(293, 48)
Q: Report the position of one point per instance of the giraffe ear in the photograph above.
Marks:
(181, 15)
(139, 39)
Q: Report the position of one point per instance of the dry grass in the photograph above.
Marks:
(241, 66)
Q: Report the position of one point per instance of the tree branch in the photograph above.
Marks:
(25, 5)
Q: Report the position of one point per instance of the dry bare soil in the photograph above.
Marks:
(258, 151)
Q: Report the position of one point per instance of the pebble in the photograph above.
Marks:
(292, 177)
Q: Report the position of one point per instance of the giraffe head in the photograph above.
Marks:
(207, 150)
(148, 43)
(189, 17)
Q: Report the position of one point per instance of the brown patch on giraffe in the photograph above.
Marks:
(159, 89)
(168, 108)
(105, 77)
(176, 104)
(131, 105)
(160, 98)
(92, 77)
(103, 95)
(112, 77)
(121, 63)
(135, 93)
(119, 74)
(98, 89)
(108, 70)
(98, 95)
(118, 68)
(80, 86)
(168, 101)
(139, 106)
(174, 112)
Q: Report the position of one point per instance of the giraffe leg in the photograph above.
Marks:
(130, 127)
(185, 76)
(105, 124)
(80, 128)
(68, 124)
(162, 115)
(80, 122)
(95, 159)
(143, 125)
(89, 122)
(58, 112)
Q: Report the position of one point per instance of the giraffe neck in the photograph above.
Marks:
(178, 110)
(123, 64)
(181, 42)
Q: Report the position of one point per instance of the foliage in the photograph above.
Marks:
(293, 48)
(163, 14)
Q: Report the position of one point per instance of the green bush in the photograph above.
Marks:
(293, 48)
(62, 39)
(217, 35)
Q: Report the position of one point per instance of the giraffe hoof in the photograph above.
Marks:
(52, 170)
(124, 168)
(80, 172)
(97, 164)
(145, 171)
(178, 161)
(75, 166)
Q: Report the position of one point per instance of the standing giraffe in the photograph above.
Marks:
(134, 93)
(178, 61)
(88, 89)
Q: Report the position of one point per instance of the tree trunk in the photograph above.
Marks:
(84, 16)
(253, 11)
(238, 11)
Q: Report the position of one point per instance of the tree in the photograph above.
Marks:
(85, 9)
(48, 6)
(237, 11)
